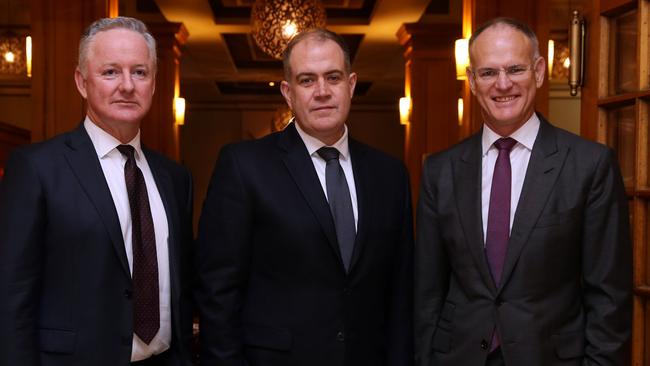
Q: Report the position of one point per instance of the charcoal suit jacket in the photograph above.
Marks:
(565, 293)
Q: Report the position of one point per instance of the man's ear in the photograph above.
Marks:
(80, 81)
(285, 89)
(540, 71)
(352, 82)
(470, 78)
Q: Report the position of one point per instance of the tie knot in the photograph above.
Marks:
(328, 153)
(505, 143)
(126, 150)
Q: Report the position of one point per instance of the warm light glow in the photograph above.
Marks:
(404, 110)
(10, 57)
(28, 48)
(566, 63)
(179, 108)
(460, 111)
(271, 83)
(551, 55)
(289, 29)
(462, 58)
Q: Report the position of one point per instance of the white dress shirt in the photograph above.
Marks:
(313, 144)
(112, 162)
(519, 157)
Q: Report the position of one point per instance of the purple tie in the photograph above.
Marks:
(498, 227)
(146, 307)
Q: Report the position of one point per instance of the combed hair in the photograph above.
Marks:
(105, 24)
(512, 23)
(321, 35)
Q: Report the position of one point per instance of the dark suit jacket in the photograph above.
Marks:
(64, 277)
(565, 296)
(273, 289)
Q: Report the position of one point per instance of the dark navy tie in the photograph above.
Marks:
(146, 308)
(498, 227)
(338, 196)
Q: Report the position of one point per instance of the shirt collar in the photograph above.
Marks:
(525, 135)
(313, 144)
(105, 143)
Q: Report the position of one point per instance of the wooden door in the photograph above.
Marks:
(615, 110)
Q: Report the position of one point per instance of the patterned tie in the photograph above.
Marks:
(146, 308)
(498, 228)
(338, 196)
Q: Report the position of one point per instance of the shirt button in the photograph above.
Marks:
(484, 344)
(340, 337)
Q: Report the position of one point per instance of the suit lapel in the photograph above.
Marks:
(467, 181)
(166, 191)
(301, 168)
(363, 187)
(545, 164)
(83, 161)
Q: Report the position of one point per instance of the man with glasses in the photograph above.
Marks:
(523, 252)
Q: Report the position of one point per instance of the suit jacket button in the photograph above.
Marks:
(128, 294)
(340, 337)
(484, 344)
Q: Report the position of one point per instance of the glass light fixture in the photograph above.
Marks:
(12, 54)
(275, 22)
(462, 58)
(404, 110)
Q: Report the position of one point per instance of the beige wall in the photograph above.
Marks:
(208, 128)
(564, 110)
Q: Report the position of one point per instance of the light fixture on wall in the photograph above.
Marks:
(13, 49)
(461, 111)
(179, 110)
(405, 110)
(275, 22)
(551, 57)
(462, 58)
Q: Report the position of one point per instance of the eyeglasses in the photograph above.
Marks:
(488, 75)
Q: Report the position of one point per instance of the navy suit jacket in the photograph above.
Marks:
(273, 289)
(64, 277)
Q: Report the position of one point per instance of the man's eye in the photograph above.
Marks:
(488, 73)
(140, 73)
(334, 78)
(516, 70)
(305, 81)
(109, 72)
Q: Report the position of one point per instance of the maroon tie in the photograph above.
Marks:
(498, 227)
(146, 311)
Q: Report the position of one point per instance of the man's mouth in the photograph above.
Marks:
(504, 99)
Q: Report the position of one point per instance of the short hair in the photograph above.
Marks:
(321, 35)
(105, 24)
(508, 22)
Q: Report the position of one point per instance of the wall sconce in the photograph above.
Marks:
(404, 110)
(551, 57)
(28, 52)
(462, 58)
(460, 111)
(179, 110)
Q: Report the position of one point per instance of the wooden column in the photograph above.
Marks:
(159, 130)
(431, 83)
(56, 29)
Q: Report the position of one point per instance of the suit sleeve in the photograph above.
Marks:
(400, 323)
(431, 269)
(22, 222)
(607, 267)
(222, 262)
